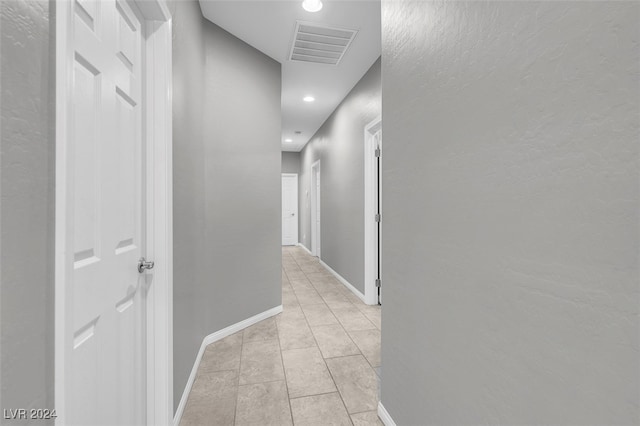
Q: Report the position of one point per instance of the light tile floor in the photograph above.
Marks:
(316, 363)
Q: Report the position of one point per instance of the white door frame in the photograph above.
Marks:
(370, 225)
(157, 141)
(295, 175)
(315, 198)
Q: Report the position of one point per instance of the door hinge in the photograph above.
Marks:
(378, 217)
(377, 152)
(378, 282)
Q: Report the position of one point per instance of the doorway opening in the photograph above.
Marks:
(373, 212)
(315, 210)
(289, 209)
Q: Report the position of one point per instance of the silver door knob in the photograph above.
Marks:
(293, 214)
(144, 264)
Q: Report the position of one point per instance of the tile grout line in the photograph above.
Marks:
(365, 357)
(284, 370)
(235, 414)
(345, 331)
(284, 373)
(361, 412)
(347, 356)
(285, 272)
(316, 394)
(262, 383)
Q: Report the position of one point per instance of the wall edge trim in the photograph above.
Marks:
(211, 338)
(346, 283)
(385, 416)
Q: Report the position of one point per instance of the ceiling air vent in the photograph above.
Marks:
(320, 44)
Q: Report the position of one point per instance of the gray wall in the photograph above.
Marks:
(27, 88)
(290, 162)
(227, 211)
(339, 145)
(511, 185)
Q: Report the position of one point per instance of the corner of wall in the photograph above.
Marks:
(212, 338)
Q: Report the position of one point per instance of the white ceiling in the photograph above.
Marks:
(269, 27)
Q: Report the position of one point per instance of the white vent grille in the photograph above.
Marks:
(320, 44)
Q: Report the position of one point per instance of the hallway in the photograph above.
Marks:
(142, 149)
(318, 362)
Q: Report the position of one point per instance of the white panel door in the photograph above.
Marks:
(105, 346)
(289, 209)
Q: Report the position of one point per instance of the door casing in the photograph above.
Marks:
(370, 208)
(315, 205)
(157, 142)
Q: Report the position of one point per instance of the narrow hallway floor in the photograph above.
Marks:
(316, 363)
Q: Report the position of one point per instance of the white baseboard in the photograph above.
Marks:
(385, 416)
(305, 249)
(346, 283)
(218, 335)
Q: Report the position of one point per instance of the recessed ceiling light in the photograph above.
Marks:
(288, 140)
(308, 99)
(312, 5)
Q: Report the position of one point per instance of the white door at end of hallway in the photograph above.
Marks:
(289, 209)
(104, 294)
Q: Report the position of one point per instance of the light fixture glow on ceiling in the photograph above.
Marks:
(288, 140)
(308, 99)
(312, 5)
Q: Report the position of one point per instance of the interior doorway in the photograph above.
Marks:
(373, 212)
(315, 210)
(289, 209)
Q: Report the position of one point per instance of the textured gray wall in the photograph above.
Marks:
(27, 171)
(227, 186)
(290, 162)
(188, 186)
(511, 238)
(339, 145)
